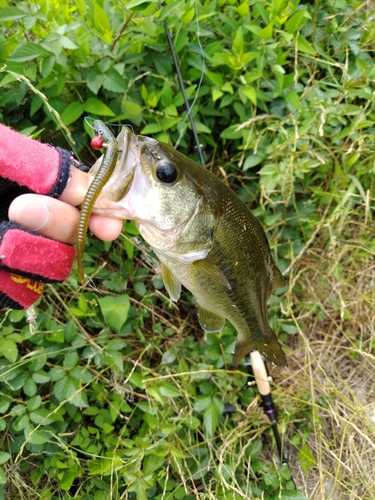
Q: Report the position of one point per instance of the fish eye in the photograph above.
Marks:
(166, 172)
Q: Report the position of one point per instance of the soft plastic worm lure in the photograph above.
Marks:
(103, 139)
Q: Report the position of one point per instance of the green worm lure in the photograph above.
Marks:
(103, 139)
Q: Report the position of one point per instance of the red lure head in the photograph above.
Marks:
(97, 142)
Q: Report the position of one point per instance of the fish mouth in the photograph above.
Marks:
(117, 187)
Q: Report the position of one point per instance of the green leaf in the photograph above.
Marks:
(4, 457)
(167, 123)
(188, 16)
(292, 98)
(8, 349)
(113, 81)
(169, 390)
(67, 477)
(171, 110)
(4, 405)
(151, 128)
(201, 127)
(41, 416)
(181, 41)
(211, 418)
(135, 3)
(71, 359)
(266, 33)
(34, 403)
(254, 449)
(238, 41)
(101, 20)
(94, 80)
(227, 87)
(216, 93)
(201, 404)
(250, 93)
(72, 113)
(11, 13)
(3, 478)
(38, 437)
(30, 387)
(133, 108)
(243, 9)
(252, 161)
(27, 51)
(65, 388)
(215, 78)
(292, 494)
(115, 309)
(304, 46)
(67, 43)
(36, 475)
(296, 21)
(41, 377)
(140, 288)
(140, 487)
(114, 357)
(306, 458)
(93, 105)
(155, 393)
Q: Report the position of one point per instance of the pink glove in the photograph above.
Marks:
(27, 259)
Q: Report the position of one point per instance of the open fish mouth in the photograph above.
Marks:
(108, 202)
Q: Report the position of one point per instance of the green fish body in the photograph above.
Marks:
(204, 235)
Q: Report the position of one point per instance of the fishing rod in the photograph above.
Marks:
(264, 389)
(182, 86)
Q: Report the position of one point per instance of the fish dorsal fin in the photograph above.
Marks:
(212, 271)
(278, 280)
(209, 321)
(171, 283)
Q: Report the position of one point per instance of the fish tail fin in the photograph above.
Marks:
(269, 348)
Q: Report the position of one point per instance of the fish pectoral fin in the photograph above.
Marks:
(212, 271)
(278, 281)
(209, 321)
(171, 283)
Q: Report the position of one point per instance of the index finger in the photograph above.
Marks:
(76, 187)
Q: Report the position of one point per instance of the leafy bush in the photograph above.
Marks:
(110, 392)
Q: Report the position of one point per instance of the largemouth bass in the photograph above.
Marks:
(204, 236)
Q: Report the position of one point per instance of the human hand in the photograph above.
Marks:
(58, 218)
(36, 234)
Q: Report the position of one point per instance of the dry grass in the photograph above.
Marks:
(332, 364)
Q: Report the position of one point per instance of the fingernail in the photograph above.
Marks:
(32, 214)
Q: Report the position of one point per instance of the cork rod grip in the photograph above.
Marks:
(260, 373)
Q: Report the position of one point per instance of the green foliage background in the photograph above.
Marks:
(111, 392)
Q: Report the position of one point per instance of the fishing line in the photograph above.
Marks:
(182, 86)
(183, 128)
(87, 118)
(121, 125)
(87, 121)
